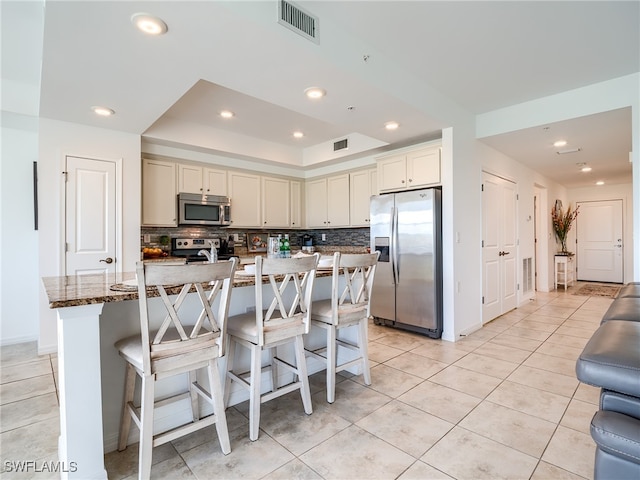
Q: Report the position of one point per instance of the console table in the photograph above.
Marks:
(565, 270)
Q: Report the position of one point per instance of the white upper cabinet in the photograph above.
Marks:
(276, 202)
(410, 170)
(296, 204)
(159, 202)
(204, 180)
(363, 184)
(244, 190)
(327, 202)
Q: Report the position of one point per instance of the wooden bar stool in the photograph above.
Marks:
(285, 321)
(183, 344)
(347, 307)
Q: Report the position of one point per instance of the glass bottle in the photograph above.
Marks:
(287, 246)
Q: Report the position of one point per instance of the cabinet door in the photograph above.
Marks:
(360, 191)
(159, 201)
(392, 174)
(276, 208)
(296, 204)
(215, 181)
(338, 201)
(189, 179)
(244, 190)
(316, 203)
(423, 167)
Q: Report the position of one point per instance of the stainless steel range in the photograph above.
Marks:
(189, 248)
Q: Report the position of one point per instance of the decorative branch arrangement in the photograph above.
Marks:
(562, 222)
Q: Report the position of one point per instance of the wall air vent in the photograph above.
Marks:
(298, 20)
(340, 144)
(527, 275)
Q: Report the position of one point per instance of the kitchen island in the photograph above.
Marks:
(91, 317)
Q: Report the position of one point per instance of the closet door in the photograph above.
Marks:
(499, 253)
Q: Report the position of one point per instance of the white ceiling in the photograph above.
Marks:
(423, 59)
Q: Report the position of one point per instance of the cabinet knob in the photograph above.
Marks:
(402, 181)
(410, 180)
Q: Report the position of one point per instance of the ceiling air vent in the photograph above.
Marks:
(340, 144)
(296, 19)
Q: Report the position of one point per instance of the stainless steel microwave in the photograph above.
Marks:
(197, 209)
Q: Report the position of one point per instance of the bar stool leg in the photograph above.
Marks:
(254, 392)
(125, 422)
(215, 386)
(301, 365)
(146, 427)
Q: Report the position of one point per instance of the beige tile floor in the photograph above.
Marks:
(502, 403)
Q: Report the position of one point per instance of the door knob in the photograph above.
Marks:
(107, 260)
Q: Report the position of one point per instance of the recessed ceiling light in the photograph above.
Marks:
(102, 111)
(391, 125)
(560, 143)
(585, 169)
(149, 24)
(298, 134)
(315, 92)
(599, 182)
(227, 114)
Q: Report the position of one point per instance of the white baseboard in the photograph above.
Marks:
(19, 339)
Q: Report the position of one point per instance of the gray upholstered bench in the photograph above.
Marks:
(611, 361)
(626, 308)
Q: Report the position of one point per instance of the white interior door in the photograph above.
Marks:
(90, 216)
(599, 236)
(499, 240)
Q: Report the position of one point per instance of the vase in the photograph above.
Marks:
(563, 245)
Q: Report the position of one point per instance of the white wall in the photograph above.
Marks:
(58, 140)
(19, 281)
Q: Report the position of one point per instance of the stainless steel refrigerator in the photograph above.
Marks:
(407, 289)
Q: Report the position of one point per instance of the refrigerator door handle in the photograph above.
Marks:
(392, 243)
(394, 253)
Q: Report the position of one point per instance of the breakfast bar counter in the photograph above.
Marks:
(93, 312)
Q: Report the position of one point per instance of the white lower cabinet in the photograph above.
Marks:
(327, 202)
(159, 201)
(244, 191)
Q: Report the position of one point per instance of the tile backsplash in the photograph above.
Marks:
(355, 237)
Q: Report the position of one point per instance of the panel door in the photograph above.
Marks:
(599, 236)
(499, 238)
(90, 216)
